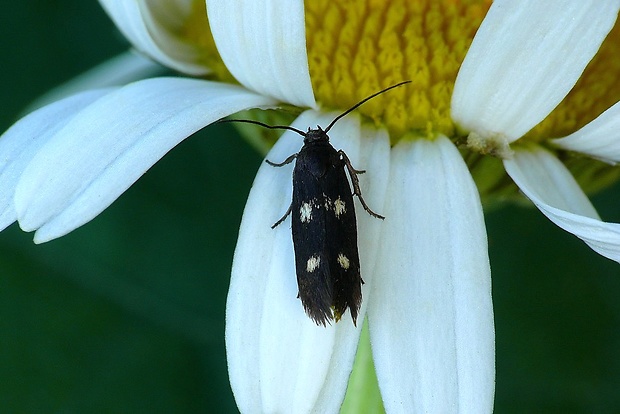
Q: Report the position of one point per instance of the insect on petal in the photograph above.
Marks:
(279, 359)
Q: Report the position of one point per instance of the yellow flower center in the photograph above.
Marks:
(197, 32)
(356, 48)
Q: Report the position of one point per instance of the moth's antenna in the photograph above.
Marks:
(303, 134)
(357, 105)
(248, 121)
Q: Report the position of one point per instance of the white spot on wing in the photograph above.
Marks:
(343, 261)
(305, 212)
(339, 207)
(328, 202)
(312, 263)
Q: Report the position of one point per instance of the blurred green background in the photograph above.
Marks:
(126, 314)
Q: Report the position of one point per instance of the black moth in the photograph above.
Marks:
(324, 226)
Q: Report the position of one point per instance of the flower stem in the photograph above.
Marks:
(363, 394)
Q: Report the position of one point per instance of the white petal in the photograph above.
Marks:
(525, 58)
(93, 159)
(375, 159)
(120, 70)
(20, 143)
(598, 139)
(263, 44)
(430, 314)
(153, 33)
(551, 187)
(278, 359)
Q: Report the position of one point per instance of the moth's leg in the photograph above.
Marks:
(350, 167)
(290, 208)
(356, 184)
(283, 163)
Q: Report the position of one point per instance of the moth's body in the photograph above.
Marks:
(323, 223)
(325, 233)
(324, 229)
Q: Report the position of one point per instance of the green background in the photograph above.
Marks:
(126, 314)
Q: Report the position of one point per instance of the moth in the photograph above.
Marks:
(324, 226)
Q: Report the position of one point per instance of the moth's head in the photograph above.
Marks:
(315, 135)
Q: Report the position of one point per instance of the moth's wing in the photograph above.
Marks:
(324, 231)
(341, 240)
(308, 222)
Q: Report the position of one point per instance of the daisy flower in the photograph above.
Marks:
(501, 94)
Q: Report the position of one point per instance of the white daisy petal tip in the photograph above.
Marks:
(598, 139)
(550, 186)
(87, 164)
(151, 26)
(280, 360)
(20, 143)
